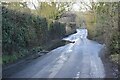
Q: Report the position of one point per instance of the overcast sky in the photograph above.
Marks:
(76, 7)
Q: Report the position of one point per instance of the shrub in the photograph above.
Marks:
(22, 30)
(57, 30)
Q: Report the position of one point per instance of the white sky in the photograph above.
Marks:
(79, 7)
(30, 5)
(76, 7)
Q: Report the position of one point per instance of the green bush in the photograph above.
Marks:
(115, 43)
(57, 30)
(23, 32)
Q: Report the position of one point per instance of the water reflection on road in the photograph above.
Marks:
(75, 60)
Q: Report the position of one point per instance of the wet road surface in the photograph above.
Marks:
(74, 60)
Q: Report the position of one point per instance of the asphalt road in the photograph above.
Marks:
(74, 60)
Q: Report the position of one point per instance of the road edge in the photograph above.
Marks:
(110, 68)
